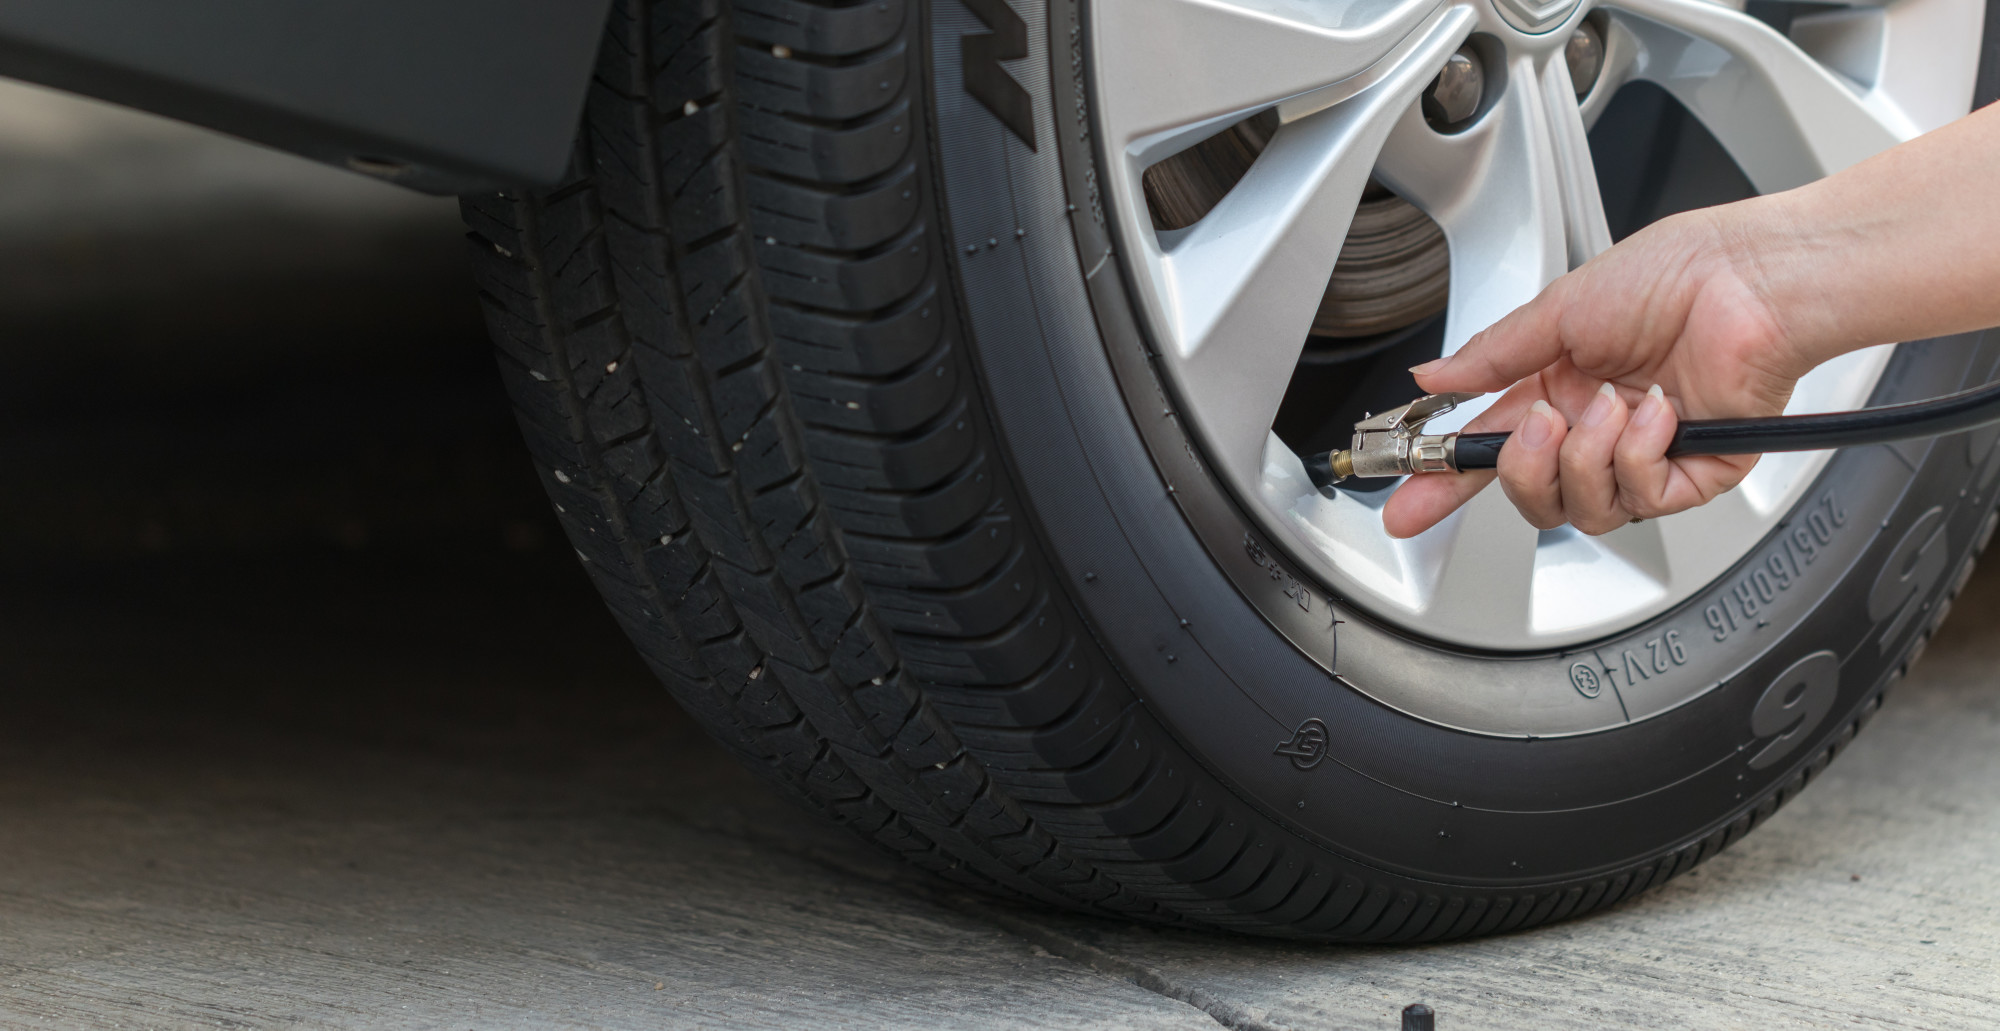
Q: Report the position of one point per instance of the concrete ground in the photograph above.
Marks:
(310, 720)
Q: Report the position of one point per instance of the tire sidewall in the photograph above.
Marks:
(1177, 588)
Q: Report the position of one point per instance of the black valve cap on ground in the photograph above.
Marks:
(1418, 1017)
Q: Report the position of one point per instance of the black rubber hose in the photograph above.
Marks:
(1480, 450)
(1933, 418)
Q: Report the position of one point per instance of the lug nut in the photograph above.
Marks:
(1584, 53)
(1453, 97)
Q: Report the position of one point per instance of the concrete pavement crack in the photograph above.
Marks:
(1232, 1015)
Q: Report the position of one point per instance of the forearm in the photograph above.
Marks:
(1903, 246)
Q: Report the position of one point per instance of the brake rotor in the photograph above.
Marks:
(1394, 269)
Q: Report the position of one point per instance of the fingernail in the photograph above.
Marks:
(1537, 428)
(1651, 407)
(1600, 406)
(1429, 367)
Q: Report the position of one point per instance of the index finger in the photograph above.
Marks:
(1524, 342)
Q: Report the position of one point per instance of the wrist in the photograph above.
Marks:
(1774, 247)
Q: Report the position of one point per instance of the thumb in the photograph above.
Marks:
(1523, 343)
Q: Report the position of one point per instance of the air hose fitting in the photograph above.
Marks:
(1393, 444)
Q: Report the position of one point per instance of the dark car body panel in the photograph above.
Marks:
(445, 96)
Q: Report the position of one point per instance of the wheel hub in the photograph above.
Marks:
(1534, 18)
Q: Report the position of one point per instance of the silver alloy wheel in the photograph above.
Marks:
(1230, 298)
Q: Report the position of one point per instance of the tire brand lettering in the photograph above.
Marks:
(1307, 745)
(1906, 579)
(980, 53)
(1793, 705)
(1745, 600)
(1292, 587)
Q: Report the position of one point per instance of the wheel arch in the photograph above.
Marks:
(443, 96)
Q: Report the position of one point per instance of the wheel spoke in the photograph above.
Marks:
(1783, 117)
(1241, 285)
(1487, 571)
(1584, 227)
(1581, 580)
(1703, 542)
(1497, 190)
(1175, 70)
(1643, 545)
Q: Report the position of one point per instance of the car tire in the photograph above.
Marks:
(831, 370)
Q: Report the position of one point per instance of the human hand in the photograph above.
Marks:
(1600, 369)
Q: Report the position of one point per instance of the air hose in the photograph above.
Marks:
(1390, 444)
